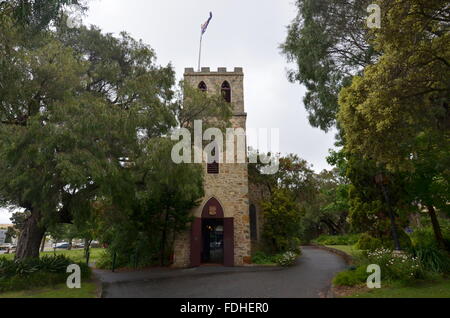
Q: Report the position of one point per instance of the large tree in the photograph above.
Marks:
(397, 112)
(75, 108)
(36, 15)
(328, 44)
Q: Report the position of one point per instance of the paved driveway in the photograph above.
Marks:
(310, 278)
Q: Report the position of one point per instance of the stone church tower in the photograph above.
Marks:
(220, 233)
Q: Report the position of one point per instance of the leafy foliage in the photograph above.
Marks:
(282, 259)
(328, 43)
(351, 277)
(321, 198)
(281, 226)
(287, 259)
(36, 15)
(348, 239)
(433, 258)
(36, 272)
(369, 243)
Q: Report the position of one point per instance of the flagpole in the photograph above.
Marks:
(203, 30)
(200, 52)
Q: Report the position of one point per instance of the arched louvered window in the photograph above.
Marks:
(253, 225)
(213, 167)
(226, 91)
(202, 86)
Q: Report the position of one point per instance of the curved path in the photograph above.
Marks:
(310, 277)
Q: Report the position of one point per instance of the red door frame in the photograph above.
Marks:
(196, 233)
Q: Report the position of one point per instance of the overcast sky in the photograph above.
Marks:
(242, 33)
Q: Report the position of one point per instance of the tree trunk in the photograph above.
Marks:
(436, 226)
(70, 244)
(87, 247)
(43, 243)
(30, 238)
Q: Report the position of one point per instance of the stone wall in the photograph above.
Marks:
(257, 194)
(214, 80)
(182, 249)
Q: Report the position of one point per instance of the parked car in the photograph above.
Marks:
(7, 248)
(78, 245)
(95, 244)
(62, 245)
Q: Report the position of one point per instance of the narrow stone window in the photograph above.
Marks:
(202, 86)
(226, 91)
(253, 225)
(213, 168)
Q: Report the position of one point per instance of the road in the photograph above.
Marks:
(309, 278)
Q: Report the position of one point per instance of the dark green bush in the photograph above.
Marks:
(432, 258)
(370, 243)
(425, 236)
(348, 239)
(39, 272)
(263, 258)
(133, 259)
(367, 242)
(404, 239)
(283, 259)
(351, 277)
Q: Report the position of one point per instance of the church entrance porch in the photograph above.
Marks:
(212, 237)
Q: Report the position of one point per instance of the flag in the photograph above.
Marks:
(205, 26)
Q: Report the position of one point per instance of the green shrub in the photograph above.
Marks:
(348, 239)
(432, 258)
(404, 240)
(104, 260)
(367, 242)
(396, 267)
(126, 260)
(425, 236)
(287, 259)
(262, 258)
(281, 222)
(39, 272)
(351, 277)
(284, 259)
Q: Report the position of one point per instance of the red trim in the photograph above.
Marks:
(212, 205)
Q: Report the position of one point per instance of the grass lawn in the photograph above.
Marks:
(75, 255)
(87, 290)
(349, 249)
(439, 289)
